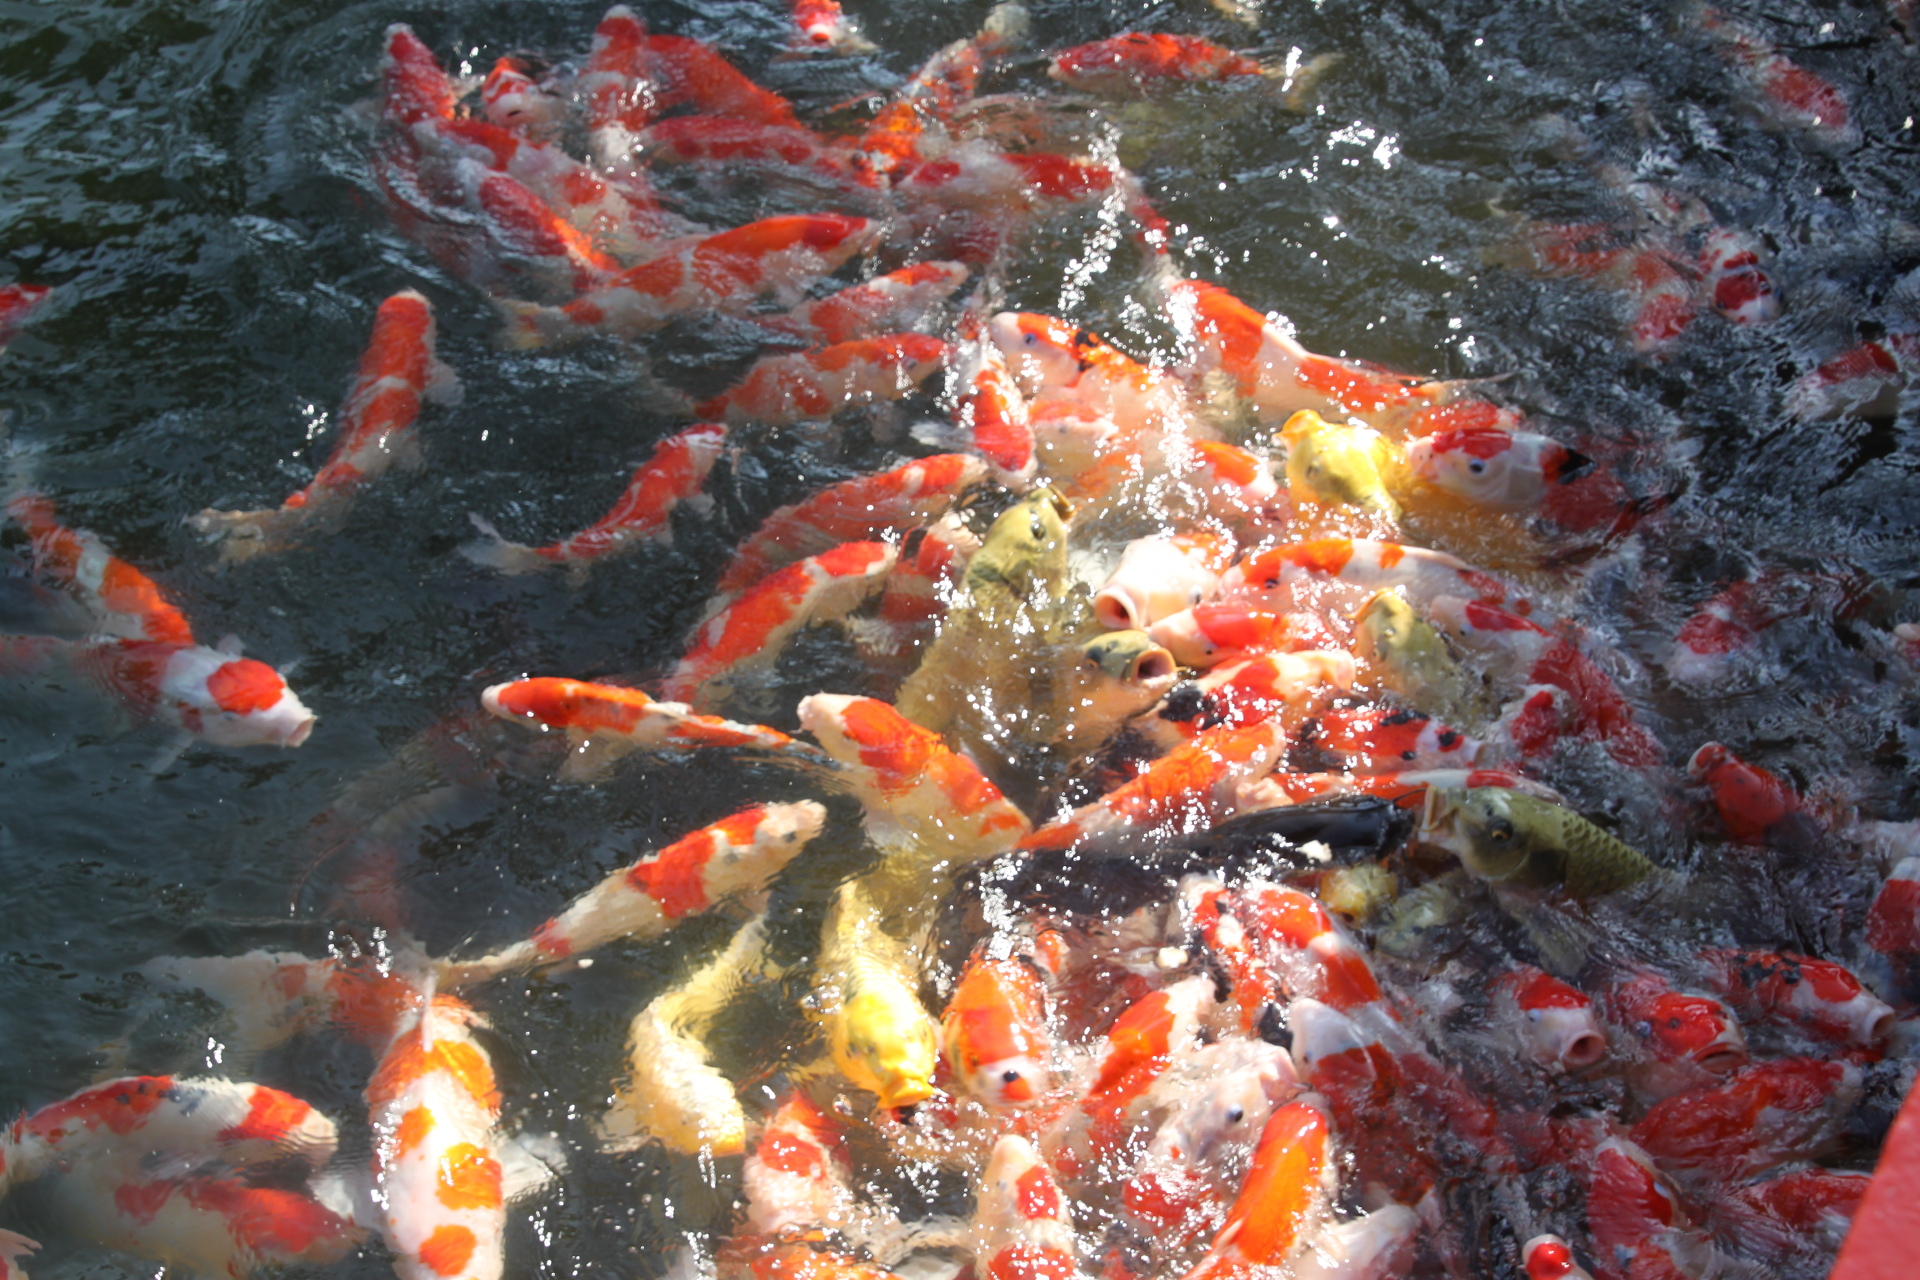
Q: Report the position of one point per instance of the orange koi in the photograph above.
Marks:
(673, 476)
(779, 390)
(864, 507)
(686, 71)
(121, 600)
(995, 1032)
(1216, 632)
(1139, 1045)
(748, 632)
(604, 722)
(910, 782)
(1142, 64)
(433, 1106)
(1284, 1192)
(927, 576)
(736, 855)
(397, 371)
(722, 272)
(935, 93)
(1390, 740)
(894, 301)
(989, 412)
(1635, 1218)
(1193, 787)
(742, 144)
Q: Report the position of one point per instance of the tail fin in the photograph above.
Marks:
(530, 326)
(242, 535)
(495, 552)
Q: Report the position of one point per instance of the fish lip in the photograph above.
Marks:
(1721, 1059)
(302, 731)
(1583, 1051)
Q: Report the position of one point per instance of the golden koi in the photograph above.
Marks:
(883, 1040)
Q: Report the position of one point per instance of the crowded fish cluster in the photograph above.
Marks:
(1222, 838)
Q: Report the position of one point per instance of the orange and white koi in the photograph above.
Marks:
(994, 1032)
(1278, 375)
(734, 856)
(212, 694)
(1388, 740)
(1139, 1045)
(1761, 1117)
(779, 390)
(1276, 575)
(989, 412)
(820, 26)
(1216, 632)
(1499, 470)
(1021, 1229)
(1540, 657)
(120, 600)
(273, 995)
(1818, 997)
(671, 478)
(1234, 486)
(1269, 934)
(433, 1107)
(1556, 1024)
(672, 1093)
(798, 1174)
(935, 93)
(926, 577)
(1143, 64)
(1160, 576)
(604, 722)
(17, 303)
(1283, 688)
(864, 507)
(621, 98)
(718, 273)
(887, 303)
(1792, 95)
(1284, 1193)
(979, 177)
(739, 151)
(914, 788)
(397, 372)
(749, 631)
(513, 99)
(1051, 359)
(1196, 785)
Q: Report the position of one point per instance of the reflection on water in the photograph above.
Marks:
(193, 179)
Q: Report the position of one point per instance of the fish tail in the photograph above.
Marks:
(529, 326)
(495, 552)
(242, 535)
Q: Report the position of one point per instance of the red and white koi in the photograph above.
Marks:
(1283, 939)
(1143, 64)
(1556, 1024)
(779, 390)
(1803, 1209)
(1389, 740)
(722, 272)
(1548, 1257)
(433, 1107)
(887, 303)
(1868, 380)
(398, 370)
(1751, 802)
(1763, 1116)
(671, 478)
(912, 785)
(1499, 470)
(1791, 94)
(1635, 1218)
(1280, 687)
(1285, 1192)
(1021, 1229)
(994, 1032)
(273, 995)
(990, 413)
(1198, 784)
(1139, 1045)
(1735, 279)
(1160, 576)
(604, 722)
(621, 98)
(734, 856)
(864, 507)
(1053, 360)
(18, 302)
(749, 631)
(798, 1174)
(1683, 1039)
(1353, 1059)
(934, 94)
(120, 600)
(514, 100)
(1276, 577)
(820, 26)
(1893, 920)
(1818, 997)
(1217, 632)
(926, 578)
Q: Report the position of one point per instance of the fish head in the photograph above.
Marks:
(1123, 672)
(885, 1043)
(1474, 463)
(235, 702)
(1042, 352)
(1387, 632)
(1026, 545)
(1694, 1028)
(1070, 438)
(1478, 825)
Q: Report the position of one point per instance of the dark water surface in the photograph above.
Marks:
(192, 178)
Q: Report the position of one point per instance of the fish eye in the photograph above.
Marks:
(1236, 1115)
(1030, 338)
(1009, 1076)
(1476, 466)
(1500, 831)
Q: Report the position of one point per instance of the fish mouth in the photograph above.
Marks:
(302, 731)
(1155, 664)
(1583, 1051)
(1721, 1059)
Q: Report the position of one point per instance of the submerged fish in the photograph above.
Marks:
(1517, 839)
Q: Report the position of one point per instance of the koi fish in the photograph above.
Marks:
(1276, 576)
(779, 390)
(1635, 1218)
(1053, 360)
(736, 855)
(1865, 381)
(604, 722)
(1762, 1116)
(1195, 786)
(1021, 1229)
(1123, 673)
(819, 26)
(213, 695)
(1815, 996)
(722, 272)
(935, 93)
(1385, 740)
(17, 303)
(895, 301)
(1683, 1039)
(749, 631)
(1548, 1257)
(1511, 838)
(994, 1032)
(989, 415)
(1792, 95)
(1893, 919)
(926, 577)
(397, 371)
(883, 1040)
(895, 501)
(673, 1093)
(798, 1174)
(1735, 280)
(1557, 1025)
(673, 476)
(621, 98)
(1215, 632)
(1139, 1045)
(1336, 465)
(1277, 687)
(1751, 802)
(1160, 576)
(1499, 470)
(1410, 656)
(1284, 1192)
(513, 100)
(120, 600)
(414, 89)
(1141, 64)
(434, 1109)
(271, 996)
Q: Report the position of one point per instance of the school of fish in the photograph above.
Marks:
(1203, 701)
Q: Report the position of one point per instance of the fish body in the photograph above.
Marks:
(604, 722)
(881, 1036)
(1752, 803)
(864, 507)
(736, 855)
(1279, 687)
(990, 411)
(1788, 92)
(1021, 1229)
(120, 600)
(1280, 573)
(1140, 1044)
(779, 390)
(1739, 286)
(1762, 1116)
(673, 475)
(1160, 576)
(513, 99)
(1512, 838)
(1385, 740)
(798, 1174)
(1867, 380)
(18, 302)
(887, 303)
(1285, 1191)
(747, 634)
(994, 1032)
(1635, 1218)
(433, 1107)
(1144, 64)
(1052, 360)
(1214, 633)
(721, 272)
(1819, 997)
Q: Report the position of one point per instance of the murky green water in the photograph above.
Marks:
(192, 178)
